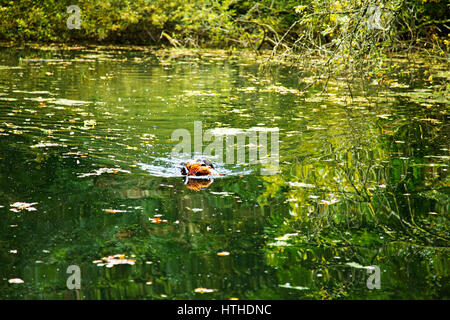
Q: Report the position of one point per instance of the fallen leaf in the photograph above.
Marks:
(19, 206)
(114, 210)
(204, 290)
(45, 145)
(157, 220)
(288, 286)
(111, 261)
(16, 280)
(103, 170)
(300, 184)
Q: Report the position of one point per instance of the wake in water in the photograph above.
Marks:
(171, 167)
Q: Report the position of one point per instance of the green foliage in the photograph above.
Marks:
(242, 23)
(115, 20)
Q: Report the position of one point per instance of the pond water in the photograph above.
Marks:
(88, 178)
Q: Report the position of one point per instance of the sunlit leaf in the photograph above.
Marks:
(288, 286)
(16, 281)
(114, 210)
(203, 290)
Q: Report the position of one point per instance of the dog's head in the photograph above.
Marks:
(205, 162)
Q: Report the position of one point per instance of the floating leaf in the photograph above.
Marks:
(111, 261)
(45, 145)
(114, 210)
(103, 170)
(67, 102)
(279, 243)
(199, 93)
(157, 220)
(204, 290)
(16, 281)
(300, 184)
(19, 206)
(288, 286)
(89, 124)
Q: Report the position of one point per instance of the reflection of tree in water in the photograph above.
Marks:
(380, 202)
(418, 178)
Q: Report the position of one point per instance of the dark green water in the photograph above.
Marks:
(362, 182)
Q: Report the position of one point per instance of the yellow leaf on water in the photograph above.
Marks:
(114, 210)
(114, 260)
(203, 290)
(16, 281)
(18, 206)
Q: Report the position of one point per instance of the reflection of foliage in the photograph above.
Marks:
(379, 198)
